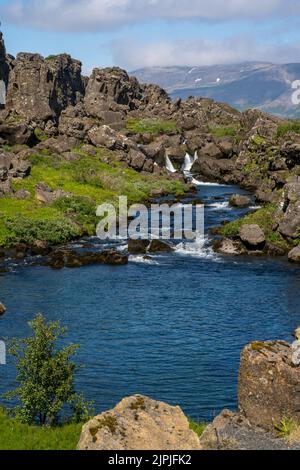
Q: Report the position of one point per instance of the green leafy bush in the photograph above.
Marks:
(45, 376)
(22, 229)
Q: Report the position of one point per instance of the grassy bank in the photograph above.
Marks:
(17, 436)
(88, 182)
(263, 217)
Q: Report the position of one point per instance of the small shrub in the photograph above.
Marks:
(45, 375)
(286, 427)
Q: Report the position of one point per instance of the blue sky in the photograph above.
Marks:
(137, 33)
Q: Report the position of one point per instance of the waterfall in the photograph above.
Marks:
(188, 163)
(169, 165)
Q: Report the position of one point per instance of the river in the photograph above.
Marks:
(172, 327)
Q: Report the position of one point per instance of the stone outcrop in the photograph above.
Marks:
(290, 216)
(64, 258)
(139, 423)
(269, 384)
(232, 431)
(39, 89)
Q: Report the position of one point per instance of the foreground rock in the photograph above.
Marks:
(71, 259)
(139, 423)
(229, 247)
(232, 431)
(269, 384)
(2, 309)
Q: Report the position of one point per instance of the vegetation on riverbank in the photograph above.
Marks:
(263, 217)
(87, 183)
(17, 436)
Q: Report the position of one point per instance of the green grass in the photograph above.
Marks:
(151, 126)
(263, 217)
(284, 129)
(17, 436)
(198, 428)
(223, 131)
(54, 56)
(89, 181)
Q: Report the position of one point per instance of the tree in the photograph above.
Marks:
(45, 375)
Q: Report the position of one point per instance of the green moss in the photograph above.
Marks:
(258, 140)
(223, 131)
(39, 134)
(151, 126)
(139, 404)
(198, 428)
(284, 129)
(108, 421)
(17, 436)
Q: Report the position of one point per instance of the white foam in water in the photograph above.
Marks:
(198, 248)
(143, 260)
(220, 205)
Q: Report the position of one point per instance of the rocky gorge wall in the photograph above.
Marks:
(50, 107)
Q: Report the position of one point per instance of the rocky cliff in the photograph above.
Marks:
(53, 110)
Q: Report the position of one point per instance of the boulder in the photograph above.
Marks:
(269, 384)
(139, 423)
(138, 247)
(22, 194)
(252, 236)
(239, 200)
(294, 255)
(105, 136)
(136, 160)
(227, 246)
(158, 246)
(2, 309)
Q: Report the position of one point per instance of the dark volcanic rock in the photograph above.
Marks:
(138, 247)
(158, 246)
(72, 259)
(39, 89)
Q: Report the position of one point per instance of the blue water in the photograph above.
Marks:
(172, 329)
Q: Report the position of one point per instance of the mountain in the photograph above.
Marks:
(261, 85)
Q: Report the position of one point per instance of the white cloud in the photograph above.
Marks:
(132, 55)
(87, 15)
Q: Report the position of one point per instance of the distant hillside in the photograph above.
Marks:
(248, 85)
